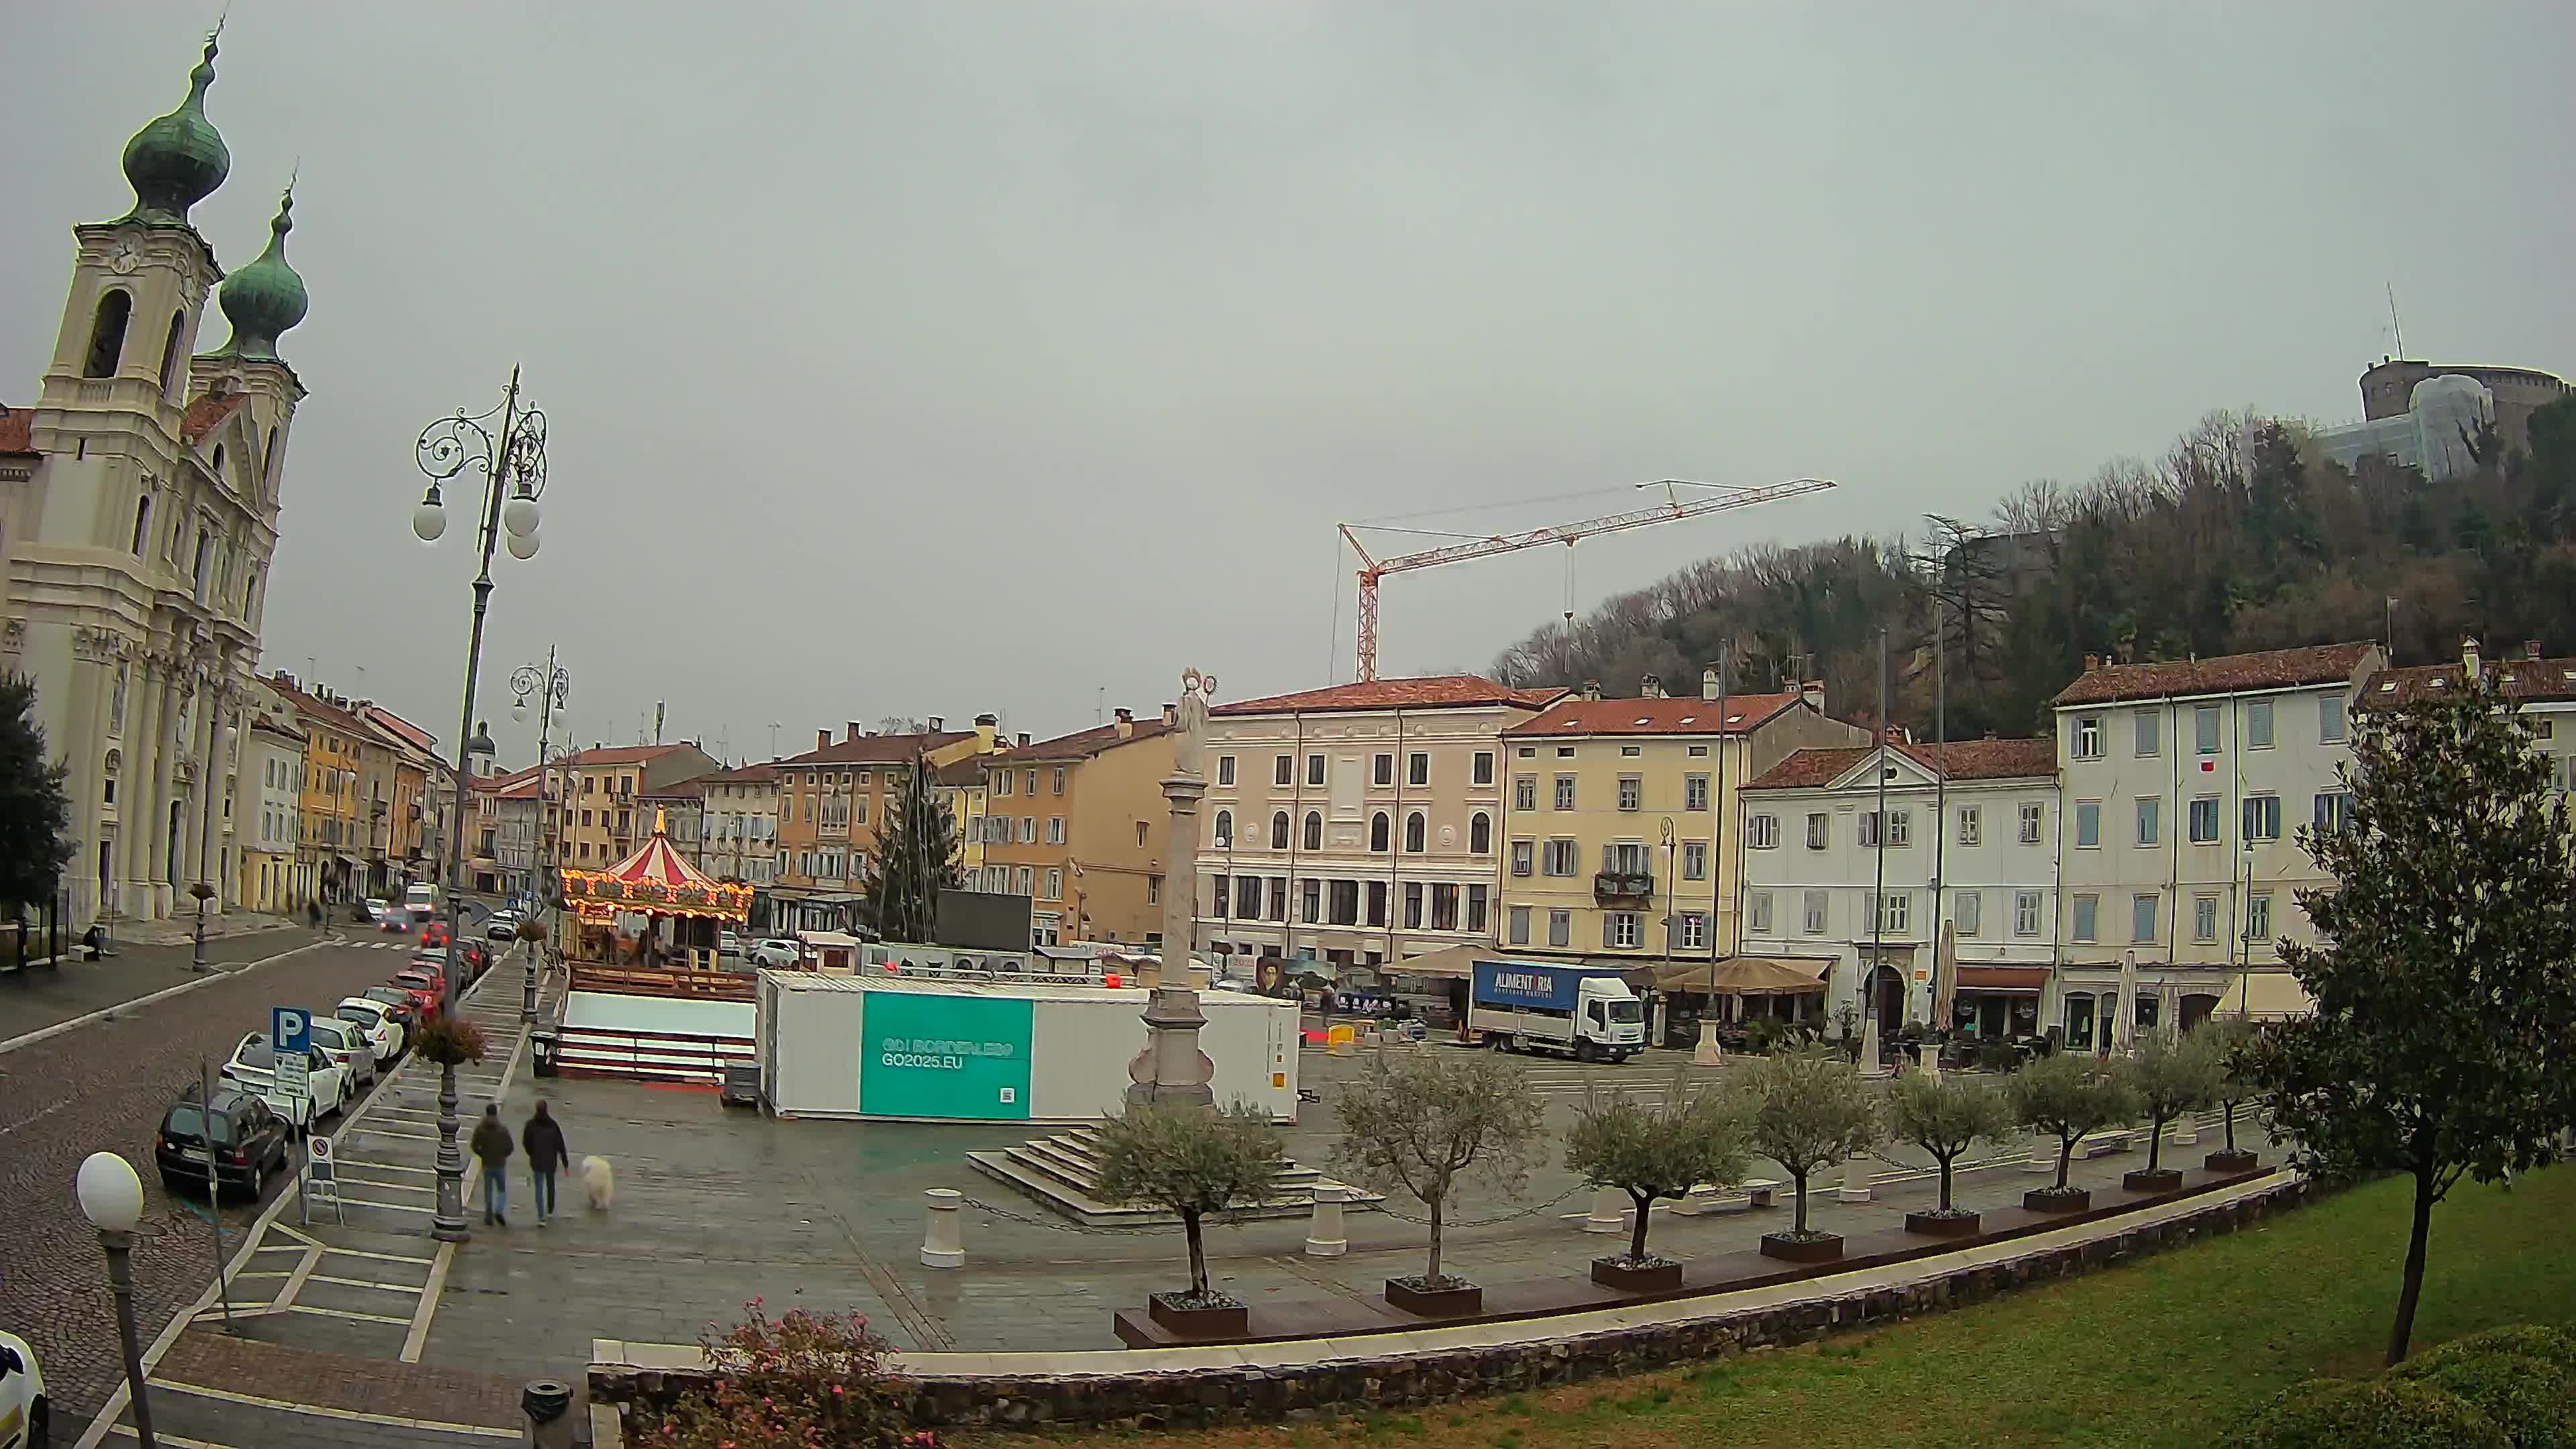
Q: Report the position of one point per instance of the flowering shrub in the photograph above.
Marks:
(800, 1381)
(450, 1041)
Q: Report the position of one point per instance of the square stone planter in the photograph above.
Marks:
(1939, 1225)
(1652, 1277)
(1226, 1320)
(2156, 1179)
(1455, 1301)
(2050, 1200)
(2225, 1161)
(1823, 1248)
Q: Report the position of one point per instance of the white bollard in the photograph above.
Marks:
(2187, 1130)
(1610, 1209)
(1324, 1237)
(941, 1245)
(2043, 1155)
(1856, 1175)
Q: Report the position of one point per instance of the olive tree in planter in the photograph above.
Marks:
(1196, 1164)
(1945, 1116)
(1413, 1123)
(1651, 1153)
(2065, 1096)
(2170, 1079)
(1809, 1111)
(2235, 1042)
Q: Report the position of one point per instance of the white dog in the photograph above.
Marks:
(599, 1182)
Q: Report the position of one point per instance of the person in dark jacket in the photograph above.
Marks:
(492, 1148)
(543, 1137)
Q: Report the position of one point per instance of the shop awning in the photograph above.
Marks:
(2027, 980)
(2266, 995)
(1449, 961)
(1747, 976)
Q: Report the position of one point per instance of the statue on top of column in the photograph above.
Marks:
(1190, 729)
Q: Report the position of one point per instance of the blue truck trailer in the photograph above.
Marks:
(1587, 1012)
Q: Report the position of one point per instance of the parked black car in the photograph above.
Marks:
(250, 1141)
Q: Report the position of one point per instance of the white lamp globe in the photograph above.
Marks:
(519, 711)
(428, 520)
(519, 515)
(111, 1196)
(523, 545)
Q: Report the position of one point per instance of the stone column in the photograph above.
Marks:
(1610, 1208)
(1856, 1176)
(139, 793)
(1171, 1069)
(83, 749)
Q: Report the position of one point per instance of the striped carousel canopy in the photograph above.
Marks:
(655, 879)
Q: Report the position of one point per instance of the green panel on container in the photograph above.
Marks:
(945, 1056)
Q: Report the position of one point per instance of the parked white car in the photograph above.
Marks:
(25, 1414)
(385, 1036)
(778, 954)
(328, 1084)
(349, 1050)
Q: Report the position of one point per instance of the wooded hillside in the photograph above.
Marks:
(2240, 537)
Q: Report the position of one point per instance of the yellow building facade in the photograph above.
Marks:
(1619, 843)
(1078, 824)
(331, 843)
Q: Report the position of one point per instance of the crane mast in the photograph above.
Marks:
(1672, 510)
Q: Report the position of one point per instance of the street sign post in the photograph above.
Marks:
(290, 1037)
(321, 1179)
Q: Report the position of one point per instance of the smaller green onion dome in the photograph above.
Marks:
(177, 161)
(264, 299)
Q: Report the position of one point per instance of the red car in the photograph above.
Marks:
(434, 934)
(423, 988)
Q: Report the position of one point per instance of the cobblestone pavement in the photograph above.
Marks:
(217, 1391)
(37, 997)
(105, 1085)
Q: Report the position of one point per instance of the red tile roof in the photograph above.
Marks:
(1966, 759)
(758, 774)
(2518, 678)
(2271, 669)
(1438, 691)
(1692, 716)
(618, 755)
(1082, 744)
(17, 430)
(206, 413)
(876, 749)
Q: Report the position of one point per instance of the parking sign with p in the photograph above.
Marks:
(290, 1029)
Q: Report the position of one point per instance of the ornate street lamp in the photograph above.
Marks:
(111, 1197)
(507, 445)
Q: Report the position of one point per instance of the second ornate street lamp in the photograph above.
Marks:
(508, 446)
(111, 1197)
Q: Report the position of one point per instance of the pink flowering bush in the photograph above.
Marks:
(800, 1381)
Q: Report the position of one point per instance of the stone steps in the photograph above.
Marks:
(1063, 1172)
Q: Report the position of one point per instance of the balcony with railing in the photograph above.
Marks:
(1622, 888)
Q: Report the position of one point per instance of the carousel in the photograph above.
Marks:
(652, 911)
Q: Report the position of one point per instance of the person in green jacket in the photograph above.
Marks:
(492, 1147)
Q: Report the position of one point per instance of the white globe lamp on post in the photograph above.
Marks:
(111, 1197)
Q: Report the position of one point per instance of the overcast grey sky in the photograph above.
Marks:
(933, 358)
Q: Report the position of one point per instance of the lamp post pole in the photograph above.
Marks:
(111, 1197)
(513, 465)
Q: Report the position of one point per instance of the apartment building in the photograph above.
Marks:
(1358, 824)
(2184, 784)
(832, 804)
(267, 814)
(595, 813)
(1614, 832)
(330, 864)
(1962, 865)
(1078, 824)
(2544, 688)
(740, 814)
(963, 787)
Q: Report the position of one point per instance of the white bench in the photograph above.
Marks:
(1757, 1192)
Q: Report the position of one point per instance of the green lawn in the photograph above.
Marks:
(2167, 1351)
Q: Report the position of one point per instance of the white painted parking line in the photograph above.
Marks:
(391, 1207)
(125, 1432)
(307, 1308)
(383, 1257)
(354, 1416)
(428, 1306)
(381, 1132)
(366, 1283)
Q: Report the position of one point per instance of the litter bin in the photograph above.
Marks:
(741, 1085)
(541, 1051)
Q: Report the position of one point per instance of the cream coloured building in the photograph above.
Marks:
(1359, 824)
(138, 513)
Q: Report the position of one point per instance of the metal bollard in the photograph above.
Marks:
(1324, 1237)
(1610, 1207)
(942, 1246)
(548, 1405)
(1856, 1175)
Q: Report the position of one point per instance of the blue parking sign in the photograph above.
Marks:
(290, 1029)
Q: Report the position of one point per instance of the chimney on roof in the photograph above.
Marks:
(987, 727)
(2092, 662)
(939, 724)
(1592, 689)
(1990, 734)
(1650, 687)
(1126, 724)
(822, 739)
(1171, 715)
(1813, 691)
(1024, 739)
(2531, 649)
(852, 727)
(1708, 684)
(2468, 657)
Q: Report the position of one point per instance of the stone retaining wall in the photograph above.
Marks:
(1250, 1394)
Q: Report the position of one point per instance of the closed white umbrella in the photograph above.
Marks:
(2127, 1020)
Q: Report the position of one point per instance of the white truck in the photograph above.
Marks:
(1585, 1011)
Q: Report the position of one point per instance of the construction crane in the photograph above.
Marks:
(1671, 510)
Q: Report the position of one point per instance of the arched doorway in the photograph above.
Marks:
(2197, 1007)
(1887, 997)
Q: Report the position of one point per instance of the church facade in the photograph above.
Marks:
(138, 514)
